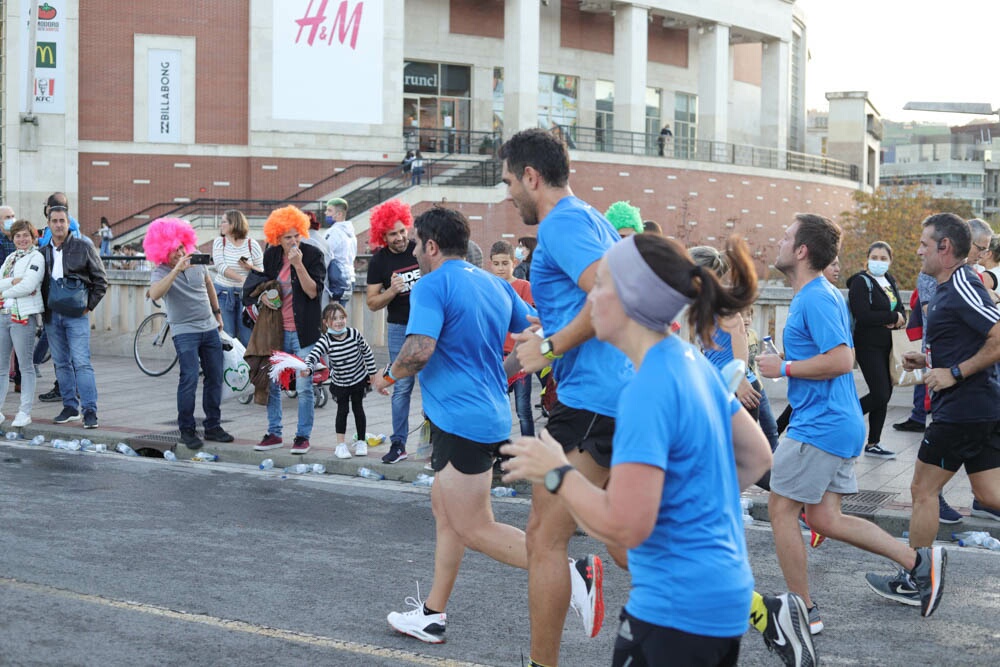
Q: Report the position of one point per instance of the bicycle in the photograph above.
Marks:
(152, 348)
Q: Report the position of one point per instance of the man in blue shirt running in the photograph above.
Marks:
(814, 462)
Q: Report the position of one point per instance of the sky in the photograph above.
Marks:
(902, 51)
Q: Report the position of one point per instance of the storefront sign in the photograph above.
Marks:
(164, 97)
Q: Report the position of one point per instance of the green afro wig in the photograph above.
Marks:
(621, 214)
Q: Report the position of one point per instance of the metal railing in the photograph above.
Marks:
(698, 150)
(449, 140)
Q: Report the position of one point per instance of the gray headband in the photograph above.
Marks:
(645, 297)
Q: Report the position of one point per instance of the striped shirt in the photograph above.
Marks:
(350, 360)
(226, 255)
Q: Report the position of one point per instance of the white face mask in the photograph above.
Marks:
(877, 267)
(519, 253)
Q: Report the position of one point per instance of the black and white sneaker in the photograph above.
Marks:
(898, 587)
(397, 452)
(90, 419)
(587, 592)
(415, 623)
(876, 450)
(67, 415)
(928, 575)
(785, 633)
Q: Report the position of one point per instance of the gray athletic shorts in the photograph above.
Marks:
(804, 472)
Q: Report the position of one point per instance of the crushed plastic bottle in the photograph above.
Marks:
(169, 455)
(205, 456)
(98, 448)
(978, 538)
(12, 435)
(266, 464)
(122, 448)
(368, 473)
(38, 440)
(68, 445)
(502, 492)
(767, 346)
(299, 469)
(424, 480)
(84, 443)
(374, 440)
(318, 469)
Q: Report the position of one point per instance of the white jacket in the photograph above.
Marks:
(25, 297)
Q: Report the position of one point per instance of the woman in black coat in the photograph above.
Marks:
(877, 309)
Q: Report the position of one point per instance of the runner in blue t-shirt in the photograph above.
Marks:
(459, 316)
(814, 462)
(963, 348)
(683, 451)
(572, 238)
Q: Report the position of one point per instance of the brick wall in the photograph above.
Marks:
(482, 18)
(585, 30)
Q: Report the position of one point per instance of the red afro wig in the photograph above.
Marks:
(165, 235)
(283, 220)
(384, 217)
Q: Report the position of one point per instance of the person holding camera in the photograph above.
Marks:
(192, 306)
(234, 255)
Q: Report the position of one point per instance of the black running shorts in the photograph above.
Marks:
(950, 445)
(641, 644)
(582, 430)
(467, 456)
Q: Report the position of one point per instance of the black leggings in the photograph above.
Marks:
(356, 395)
(874, 363)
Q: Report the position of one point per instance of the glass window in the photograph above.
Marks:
(685, 124)
(455, 81)
(558, 104)
(436, 107)
(498, 99)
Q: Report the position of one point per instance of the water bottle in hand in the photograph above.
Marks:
(368, 473)
(767, 346)
(502, 492)
(122, 448)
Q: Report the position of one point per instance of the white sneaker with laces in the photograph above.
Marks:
(415, 623)
(20, 420)
(587, 592)
(361, 448)
(342, 452)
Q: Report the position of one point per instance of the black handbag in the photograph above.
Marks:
(68, 296)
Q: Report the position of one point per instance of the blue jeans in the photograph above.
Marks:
(69, 340)
(231, 305)
(303, 386)
(522, 403)
(401, 390)
(105, 247)
(765, 417)
(204, 347)
(918, 414)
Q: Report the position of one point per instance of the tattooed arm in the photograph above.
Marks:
(413, 356)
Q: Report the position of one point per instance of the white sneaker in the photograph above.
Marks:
(342, 452)
(21, 419)
(587, 598)
(361, 448)
(415, 623)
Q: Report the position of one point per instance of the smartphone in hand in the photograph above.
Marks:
(201, 259)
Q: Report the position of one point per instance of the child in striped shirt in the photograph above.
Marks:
(352, 370)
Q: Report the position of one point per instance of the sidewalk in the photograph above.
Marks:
(141, 411)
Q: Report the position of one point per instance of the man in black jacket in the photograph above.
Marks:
(69, 331)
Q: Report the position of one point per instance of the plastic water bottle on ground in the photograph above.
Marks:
(424, 480)
(205, 456)
(169, 455)
(502, 492)
(266, 464)
(38, 440)
(767, 346)
(122, 448)
(978, 538)
(85, 442)
(298, 469)
(68, 445)
(368, 473)
(98, 448)
(317, 469)
(374, 440)
(12, 435)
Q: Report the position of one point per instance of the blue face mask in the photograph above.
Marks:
(329, 219)
(877, 268)
(519, 253)
(336, 332)
(7, 224)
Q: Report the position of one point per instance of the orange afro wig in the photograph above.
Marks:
(283, 220)
(384, 217)
(165, 235)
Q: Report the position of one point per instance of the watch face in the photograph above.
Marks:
(552, 480)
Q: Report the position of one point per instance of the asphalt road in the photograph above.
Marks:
(106, 560)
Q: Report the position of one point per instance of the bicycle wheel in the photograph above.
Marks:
(154, 351)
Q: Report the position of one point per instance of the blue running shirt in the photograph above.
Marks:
(468, 312)
(571, 238)
(826, 413)
(692, 573)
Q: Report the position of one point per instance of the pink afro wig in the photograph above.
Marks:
(165, 235)
(384, 217)
(283, 220)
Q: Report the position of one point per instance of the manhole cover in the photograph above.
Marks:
(866, 502)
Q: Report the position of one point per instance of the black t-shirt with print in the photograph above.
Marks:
(384, 263)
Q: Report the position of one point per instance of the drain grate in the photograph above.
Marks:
(159, 441)
(866, 502)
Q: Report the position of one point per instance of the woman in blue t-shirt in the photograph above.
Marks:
(682, 452)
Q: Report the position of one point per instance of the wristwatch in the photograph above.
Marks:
(957, 374)
(547, 351)
(216, 311)
(388, 376)
(554, 478)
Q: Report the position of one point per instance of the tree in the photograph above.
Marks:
(892, 214)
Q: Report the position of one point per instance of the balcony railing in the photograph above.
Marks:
(450, 140)
(698, 150)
